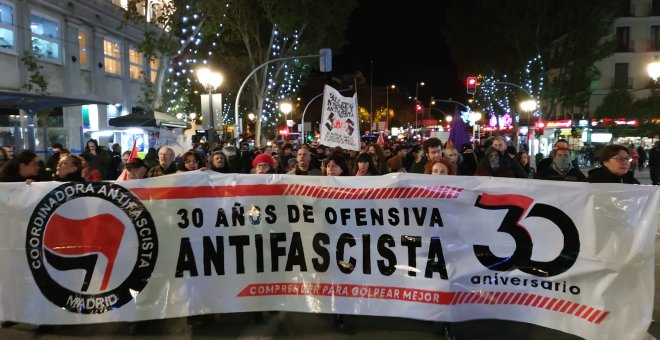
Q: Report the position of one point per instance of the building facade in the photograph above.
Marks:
(85, 52)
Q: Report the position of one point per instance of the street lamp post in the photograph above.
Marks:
(251, 118)
(654, 70)
(387, 106)
(210, 80)
(286, 108)
(417, 99)
(529, 106)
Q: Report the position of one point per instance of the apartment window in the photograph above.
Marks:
(82, 43)
(112, 60)
(621, 80)
(654, 43)
(136, 63)
(45, 37)
(623, 39)
(7, 29)
(655, 8)
(153, 69)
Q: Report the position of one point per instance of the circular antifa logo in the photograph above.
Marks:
(91, 246)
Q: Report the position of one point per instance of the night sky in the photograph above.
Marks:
(405, 42)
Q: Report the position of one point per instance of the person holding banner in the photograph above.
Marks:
(440, 166)
(615, 166)
(22, 168)
(561, 168)
(336, 165)
(190, 161)
(263, 164)
(165, 165)
(69, 169)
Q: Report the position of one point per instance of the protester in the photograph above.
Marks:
(336, 165)
(165, 165)
(364, 166)
(69, 169)
(136, 168)
(190, 161)
(89, 171)
(151, 158)
(440, 166)
(654, 163)
(378, 155)
(97, 157)
(219, 162)
(303, 167)
(54, 159)
(22, 168)
(615, 166)
(562, 168)
(523, 159)
(263, 164)
(396, 162)
(431, 149)
(491, 165)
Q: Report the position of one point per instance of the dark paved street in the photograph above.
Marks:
(307, 326)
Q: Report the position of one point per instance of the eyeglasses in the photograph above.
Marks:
(622, 159)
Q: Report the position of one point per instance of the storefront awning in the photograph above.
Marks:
(148, 119)
(31, 102)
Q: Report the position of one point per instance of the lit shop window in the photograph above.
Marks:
(153, 67)
(135, 63)
(45, 35)
(7, 29)
(112, 61)
(82, 42)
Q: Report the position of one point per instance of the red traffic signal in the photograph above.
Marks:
(418, 108)
(539, 127)
(471, 85)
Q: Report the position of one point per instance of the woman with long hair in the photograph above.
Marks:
(190, 161)
(364, 166)
(22, 168)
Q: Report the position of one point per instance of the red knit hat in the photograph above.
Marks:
(263, 158)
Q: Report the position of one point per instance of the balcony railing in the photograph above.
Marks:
(622, 83)
(623, 47)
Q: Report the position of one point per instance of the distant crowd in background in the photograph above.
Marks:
(614, 163)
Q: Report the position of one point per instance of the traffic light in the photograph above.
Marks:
(418, 108)
(471, 85)
(539, 128)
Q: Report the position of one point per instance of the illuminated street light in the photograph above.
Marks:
(528, 105)
(417, 98)
(387, 105)
(448, 119)
(286, 108)
(654, 70)
(210, 80)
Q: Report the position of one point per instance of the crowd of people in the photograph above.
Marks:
(616, 163)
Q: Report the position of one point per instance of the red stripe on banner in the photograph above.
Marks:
(508, 298)
(570, 310)
(522, 299)
(456, 297)
(602, 317)
(587, 313)
(537, 300)
(529, 299)
(475, 297)
(465, 298)
(347, 290)
(580, 310)
(543, 302)
(565, 308)
(552, 303)
(515, 297)
(502, 297)
(594, 315)
(495, 297)
(559, 304)
(183, 192)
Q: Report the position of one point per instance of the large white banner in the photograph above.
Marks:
(575, 257)
(339, 121)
